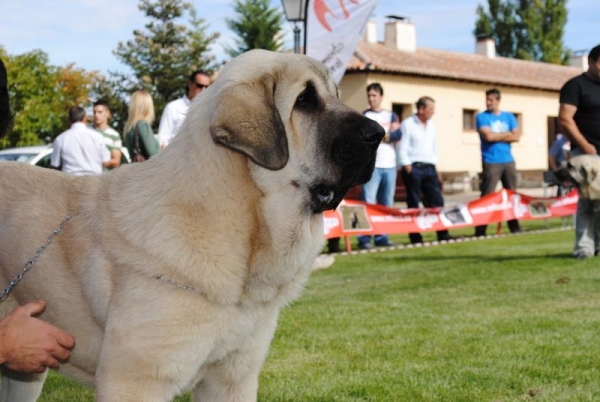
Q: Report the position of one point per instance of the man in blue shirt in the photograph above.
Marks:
(497, 130)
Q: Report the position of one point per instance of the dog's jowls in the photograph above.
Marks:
(231, 210)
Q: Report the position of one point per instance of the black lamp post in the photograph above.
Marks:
(295, 11)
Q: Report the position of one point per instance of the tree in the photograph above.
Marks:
(258, 26)
(41, 95)
(525, 29)
(164, 55)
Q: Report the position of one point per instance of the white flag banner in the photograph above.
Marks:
(333, 28)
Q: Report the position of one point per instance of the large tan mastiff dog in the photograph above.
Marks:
(171, 273)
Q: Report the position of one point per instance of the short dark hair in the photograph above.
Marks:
(192, 78)
(594, 54)
(493, 91)
(422, 102)
(197, 72)
(6, 118)
(76, 114)
(375, 87)
(102, 102)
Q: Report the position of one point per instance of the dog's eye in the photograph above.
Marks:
(308, 99)
(301, 99)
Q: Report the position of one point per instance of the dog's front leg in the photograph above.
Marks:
(224, 382)
(234, 378)
(150, 353)
(123, 375)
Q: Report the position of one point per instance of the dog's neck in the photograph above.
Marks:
(194, 238)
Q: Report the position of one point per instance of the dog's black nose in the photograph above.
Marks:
(372, 132)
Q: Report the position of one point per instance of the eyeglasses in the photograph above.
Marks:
(200, 86)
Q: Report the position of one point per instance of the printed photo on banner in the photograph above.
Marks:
(540, 208)
(456, 215)
(354, 218)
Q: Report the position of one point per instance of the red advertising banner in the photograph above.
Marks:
(355, 217)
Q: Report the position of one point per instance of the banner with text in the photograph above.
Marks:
(333, 28)
(355, 217)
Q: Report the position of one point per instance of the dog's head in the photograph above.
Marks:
(283, 112)
(585, 171)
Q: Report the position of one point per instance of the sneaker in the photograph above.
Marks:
(582, 255)
(365, 246)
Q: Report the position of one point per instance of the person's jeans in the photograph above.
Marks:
(506, 173)
(379, 190)
(587, 227)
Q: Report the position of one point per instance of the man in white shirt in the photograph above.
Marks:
(80, 150)
(175, 111)
(381, 187)
(418, 157)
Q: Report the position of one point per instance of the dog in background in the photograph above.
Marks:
(585, 171)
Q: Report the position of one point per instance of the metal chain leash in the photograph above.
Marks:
(4, 294)
(178, 285)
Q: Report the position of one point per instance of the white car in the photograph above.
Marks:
(38, 155)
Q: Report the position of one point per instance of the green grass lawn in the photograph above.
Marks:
(508, 319)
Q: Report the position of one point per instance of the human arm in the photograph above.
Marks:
(403, 158)
(513, 134)
(566, 117)
(166, 126)
(507, 136)
(395, 133)
(115, 159)
(29, 344)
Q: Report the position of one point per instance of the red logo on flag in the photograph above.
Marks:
(322, 9)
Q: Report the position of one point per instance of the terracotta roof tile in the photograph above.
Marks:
(461, 66)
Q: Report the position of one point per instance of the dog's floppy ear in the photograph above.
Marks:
(246, 120)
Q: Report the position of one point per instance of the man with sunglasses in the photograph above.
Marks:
(175, 111)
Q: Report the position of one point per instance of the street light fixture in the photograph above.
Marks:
(295, 11)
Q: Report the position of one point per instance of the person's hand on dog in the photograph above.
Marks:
(29, 344)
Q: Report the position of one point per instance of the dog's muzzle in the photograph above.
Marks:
(353, 153)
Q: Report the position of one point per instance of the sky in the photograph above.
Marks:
(86, 32)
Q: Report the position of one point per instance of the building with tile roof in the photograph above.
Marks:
(457, 82)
